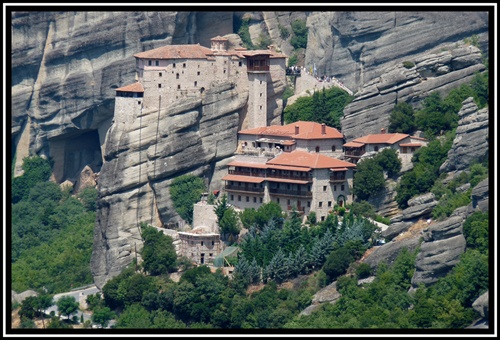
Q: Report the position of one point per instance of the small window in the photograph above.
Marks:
(317, 149)
(333, 148)
(198, 72)
(139, 102)
(178, 87)
(308, 204)
(322, 218)
(232, 197)
(224, 71)
(177, 76)
(329, 204)
(277, 200)
(288, 202)
(324, 187)
(201, 242)
(342, 187)
(157, 63)
(225, 61)
(184, 65)
(239, 198)
(210, 253)
(149, 62)
(195, 83)
(255, 200)
(376, 148)
(261, 81)
(212, 242)
(261, 94)
(260, 199)
(261, 107)
(159, 86)
(334, 188)
(160, 74)
(173, 65)
(248, 199)
(239, 64)
(320, 204)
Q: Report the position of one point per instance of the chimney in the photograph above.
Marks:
(382, 130)
(323, 129)
(296, 129)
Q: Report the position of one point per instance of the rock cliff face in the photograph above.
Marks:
(471, 140)
(143, 156)
(440, 69)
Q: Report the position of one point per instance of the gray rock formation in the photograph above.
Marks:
(370, 110)
(471, 140)
(440, 252)
(481, 305)
(135, 178)
(480, 196)
(419, 210)
(19, 298)
(389, 251)
(395, 229)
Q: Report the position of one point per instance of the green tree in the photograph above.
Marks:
(475, 229)
(435, 116)
(363, 208)
(158, 252)
(220, 207)
(229, 224)
(389, 161)
(102, 316)
(368, 179)
(185, 191)
(67, 305)
(402, 119)
(29, 307)
(299, 37)
(36, 170)
(89, 198)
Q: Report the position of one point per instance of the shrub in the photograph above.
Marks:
(408, 64)
(364, 270)
(402, 119)
(186, 191)
(299, 39)
(284, 33)
(368, 179)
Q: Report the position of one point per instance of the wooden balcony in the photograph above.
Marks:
(258, 68)
(246, 188)
(288, 192)
(246, 173)
(300, 210)
(337, 179)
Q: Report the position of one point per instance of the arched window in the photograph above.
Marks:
(333, 148)
(317, 149)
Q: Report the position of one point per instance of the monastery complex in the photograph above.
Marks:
(303, 166)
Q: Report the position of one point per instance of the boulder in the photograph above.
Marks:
(421, 199)
(389, 251)
(395, 229)
(480, 195)
(481, 305)
(437, 258)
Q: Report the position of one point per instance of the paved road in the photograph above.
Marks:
(80, 296)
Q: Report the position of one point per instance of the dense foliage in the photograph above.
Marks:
(36, 170)
(158, 254)
(185, 191)
(426, 162)
(368, 179)
(402, 119)
(279, 254)
(325, 106)
(52, 234)
(299, 36)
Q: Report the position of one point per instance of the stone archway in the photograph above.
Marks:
(340, 200)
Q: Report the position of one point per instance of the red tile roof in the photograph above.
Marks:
(309, 160)
(381, 138)
(354, 145)
(176, 52)
(307, 130)
(136, 87)
(238, 178)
